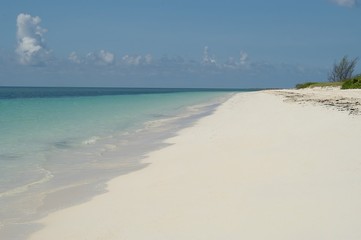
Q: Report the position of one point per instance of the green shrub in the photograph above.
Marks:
(304, 85)
(352, 83)
(327, 84)
(318, 84)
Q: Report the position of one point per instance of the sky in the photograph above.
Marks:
(175, 43)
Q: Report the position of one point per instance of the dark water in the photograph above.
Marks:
(53, 92)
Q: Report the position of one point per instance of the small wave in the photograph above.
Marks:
(6, 157)
(47, 176)
(91, 140)
(62, 145)
(159, 122)
(110, 147)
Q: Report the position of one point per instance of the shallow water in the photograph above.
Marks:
(58, 149)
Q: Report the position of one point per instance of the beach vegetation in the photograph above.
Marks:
(342, 70)
(341, 76)
(353, 83)
(318, 84)
(304, 85)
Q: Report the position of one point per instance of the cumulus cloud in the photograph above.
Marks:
(148, 59)
(100, 58)
(136, 60)
(345, 3)
(31, 47)
(132, 60)
(73, 57)
(241, 62)
(243, 58)
(208, 59)
(106, 57)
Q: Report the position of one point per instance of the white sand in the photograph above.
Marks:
(258, 168)
(343, 100)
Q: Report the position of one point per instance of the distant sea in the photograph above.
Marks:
(58, 146)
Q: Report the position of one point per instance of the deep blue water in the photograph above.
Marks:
(54, 92)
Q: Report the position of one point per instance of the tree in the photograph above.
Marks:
(342, 70)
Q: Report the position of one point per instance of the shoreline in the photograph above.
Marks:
(259, 167)
(120, 154)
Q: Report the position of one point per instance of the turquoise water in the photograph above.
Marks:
(59, 148)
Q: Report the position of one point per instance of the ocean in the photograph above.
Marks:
(59, 146)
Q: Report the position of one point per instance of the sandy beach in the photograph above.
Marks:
(262, 166)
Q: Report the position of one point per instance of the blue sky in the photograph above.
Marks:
(179, 43)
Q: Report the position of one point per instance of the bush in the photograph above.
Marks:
(304, 85)
(352, 83)
(318, 84)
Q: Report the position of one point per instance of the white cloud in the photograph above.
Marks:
(73, 57)
(31, 47)
(243, 58)
(345, 3)
(137, 60)
(148, 59)
(132, 60)
(100, 58)
(241, 62)
(207, 59)
(106, 57)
